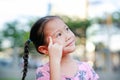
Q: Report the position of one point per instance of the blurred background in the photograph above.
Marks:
(96, 24)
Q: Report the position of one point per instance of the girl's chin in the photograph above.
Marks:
(69, 50)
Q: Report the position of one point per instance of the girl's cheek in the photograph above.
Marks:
(59, 41)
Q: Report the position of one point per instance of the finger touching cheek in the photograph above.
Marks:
(61, 42)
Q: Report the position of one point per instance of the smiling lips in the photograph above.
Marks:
(70, 43)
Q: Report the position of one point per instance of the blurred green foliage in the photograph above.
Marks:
(17, 33)
(77, 25)
(12, 33)
(116, 18)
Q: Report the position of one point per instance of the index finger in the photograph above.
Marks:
(50, 41)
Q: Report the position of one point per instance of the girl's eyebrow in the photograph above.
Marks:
(65, 26)
(53, 33)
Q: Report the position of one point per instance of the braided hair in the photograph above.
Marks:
(25, 57)
(37, 37)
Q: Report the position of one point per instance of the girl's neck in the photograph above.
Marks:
(66, 59)
(69, 66)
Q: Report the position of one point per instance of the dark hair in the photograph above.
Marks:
(37, 37)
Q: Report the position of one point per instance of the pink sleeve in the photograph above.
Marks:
(92, 74)
(42, 73)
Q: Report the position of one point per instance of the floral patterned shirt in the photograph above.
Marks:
(85, 72)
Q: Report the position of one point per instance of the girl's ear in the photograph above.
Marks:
(43, 49)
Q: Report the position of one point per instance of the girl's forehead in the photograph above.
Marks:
(53, 25)
(55, 22)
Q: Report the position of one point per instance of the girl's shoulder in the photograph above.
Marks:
(86, 68)
(42, 72)
(84, 65)
(44, 67)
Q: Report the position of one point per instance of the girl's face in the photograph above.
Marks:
(60, 34)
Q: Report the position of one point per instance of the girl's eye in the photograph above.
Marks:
(59, 34)
(67, 29)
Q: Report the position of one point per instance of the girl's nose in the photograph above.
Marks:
(67, 36)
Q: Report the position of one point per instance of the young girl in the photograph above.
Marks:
(52, 37)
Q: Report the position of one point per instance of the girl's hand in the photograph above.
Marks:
(55, 50)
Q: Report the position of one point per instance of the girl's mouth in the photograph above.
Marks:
(70, 43)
